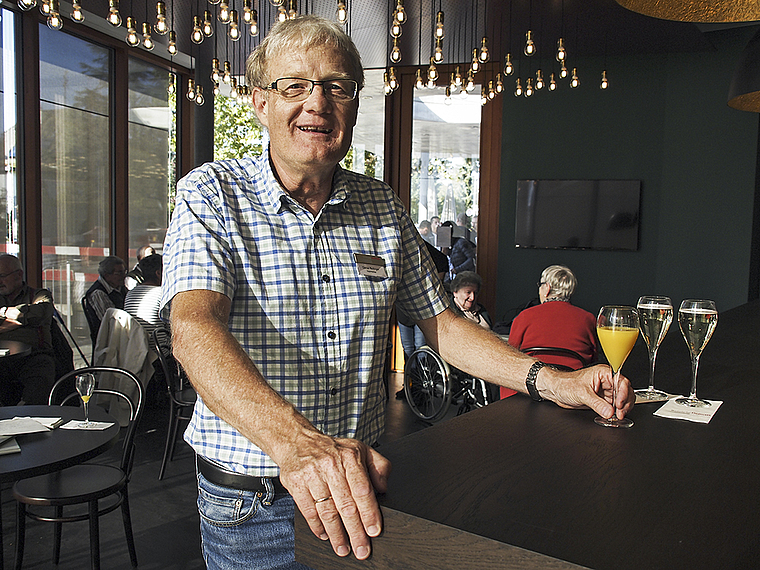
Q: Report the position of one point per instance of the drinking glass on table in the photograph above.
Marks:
(697, 319)
(655, 316)
(85, 384)
(617, 327)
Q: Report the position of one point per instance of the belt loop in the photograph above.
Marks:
(269, 496)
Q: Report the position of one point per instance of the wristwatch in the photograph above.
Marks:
(530, 381)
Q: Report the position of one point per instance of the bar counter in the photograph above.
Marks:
(528, 485)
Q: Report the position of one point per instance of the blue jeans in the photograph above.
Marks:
(246, 530)
(411, 338)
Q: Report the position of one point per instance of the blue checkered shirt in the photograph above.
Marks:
(314, 326)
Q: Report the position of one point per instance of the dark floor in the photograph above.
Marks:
(164, 517)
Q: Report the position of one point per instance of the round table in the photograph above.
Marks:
(15, 348)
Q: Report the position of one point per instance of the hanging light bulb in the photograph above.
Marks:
(419, 84)
(161, 27)
(452, 81)
(530, 47)
(254, 29)
(529, 87)
(216, 91)
(395, 52)
(562, 71)
(172, 47)
(400, 14)
(27, 5)
(233, 89)
(216, 76)
(447, 95)
(574, 81)
(54, 20)
(114, 18)
(292, 11)
(45, 7)
(171, 88)
(132, 38)
(276, 3)
(386, 84)
(392, 81)
(470, 85)
(438, 52)
(458, 77)
(77, 14)
(224, 13)
(208, 26)
(147, 40)
(227, 75)
(552, 82)
(190, 90)
(561, 53)
(199, 99)
(518, 88)
(483, 95)
(341, 13)
(484, 54)
(604, 84)
(432, 71)
(234, 31)
(475, 64)
(491, 90)
(197, 33)
(499, 83)
(539, 80)
(439, 31)
(395, 30)
(247, 12)
(508, 65)
(282, 14)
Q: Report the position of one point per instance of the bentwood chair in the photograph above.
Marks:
(85, 484)
(541, 352)
(182, 396)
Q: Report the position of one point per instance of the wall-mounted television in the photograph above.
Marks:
(578, 214)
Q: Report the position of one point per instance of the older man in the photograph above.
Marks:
(282, 271)
(25, 316)
(107, 292)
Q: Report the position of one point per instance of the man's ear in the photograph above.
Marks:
(260, 105)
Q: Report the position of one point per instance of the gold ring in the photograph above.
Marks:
(323, 499)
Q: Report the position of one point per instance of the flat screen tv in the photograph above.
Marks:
(578, 214)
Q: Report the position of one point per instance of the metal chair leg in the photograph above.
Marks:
(94, 536)
(20, 533)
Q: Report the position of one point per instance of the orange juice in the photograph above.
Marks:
(617, 343)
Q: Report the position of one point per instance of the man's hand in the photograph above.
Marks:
(333, 482)
(588, 387)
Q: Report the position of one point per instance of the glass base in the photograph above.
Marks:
(645, 394)
(614, 422)
(692, 402)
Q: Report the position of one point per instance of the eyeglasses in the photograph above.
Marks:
(4, 275)
(298, 89)
(540, 283)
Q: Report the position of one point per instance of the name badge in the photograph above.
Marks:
(370, 265)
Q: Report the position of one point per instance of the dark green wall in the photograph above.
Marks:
(664, 121)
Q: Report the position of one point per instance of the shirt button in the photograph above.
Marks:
(326, 278)
(331, 335)
(333, 391)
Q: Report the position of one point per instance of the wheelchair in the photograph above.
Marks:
(431, 385)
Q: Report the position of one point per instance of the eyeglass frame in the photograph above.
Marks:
(273, 87)
(5, 275)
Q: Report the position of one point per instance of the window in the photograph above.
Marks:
(8, 184)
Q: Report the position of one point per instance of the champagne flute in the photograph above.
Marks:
(655, 316)
(617, 328)
(697, 319)
(85, 384)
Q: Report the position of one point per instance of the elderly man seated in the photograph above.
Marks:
(25, 316)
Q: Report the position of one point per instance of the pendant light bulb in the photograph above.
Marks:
(574, 81)
(190, 90)
(552, 82)
(484, 54)
(395, 52)
(247, 12)
(561, 53)
(562, 71)
(400, 14)
(172, 47)
(438, 52)
(77, 15)
(227, 75)
(386, 84)
(509, 67)
(254, 29)
(282, 14)
(341, 14)
(392, 80)
(27, 5)
(54, 20)
(530, 47)
(395, 30)
(518, 88)
(483, 95)
(162, 26)
(234, 31)
(419, 84)
(208, 26)
(539, 80)
(171, 88)
(529, 87)
(197, 33)
(45, 7)
(199, 99)
(216, 76)
(147, 40)
(114, 18)
(276, 3)
(475, 64)
(491, 90)
(292, 12)
(216, 91)
(499, 83)
(447, 95)
(458, 77)
(605, 83)
(132, 38)
(432, 72)
(224, 12)
(470, 85)
(439, 31)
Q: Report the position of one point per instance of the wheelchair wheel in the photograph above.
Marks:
(427, 384)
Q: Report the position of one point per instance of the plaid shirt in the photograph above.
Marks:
(316, 328)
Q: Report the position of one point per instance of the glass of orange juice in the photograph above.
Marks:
(617, 327)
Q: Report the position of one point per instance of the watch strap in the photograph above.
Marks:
(530, 381)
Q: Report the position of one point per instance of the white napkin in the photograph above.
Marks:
(679, 412)
(79, 424)
(22, 425)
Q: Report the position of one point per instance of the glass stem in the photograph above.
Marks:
(694, 367)
(615, 380)
(86, 410)
(652, 358)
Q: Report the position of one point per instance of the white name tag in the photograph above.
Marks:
(370, 265)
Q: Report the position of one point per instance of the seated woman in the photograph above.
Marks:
(464, 290)
(555, 322)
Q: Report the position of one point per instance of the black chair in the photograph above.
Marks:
(87, 483)
(539, 351)
(182, 396)
(93, 322)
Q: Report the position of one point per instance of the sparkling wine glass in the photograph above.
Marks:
(617, 328)
(655, 316)
(85, 384)
(697, 319)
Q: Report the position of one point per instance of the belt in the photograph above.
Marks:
(219, 476)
